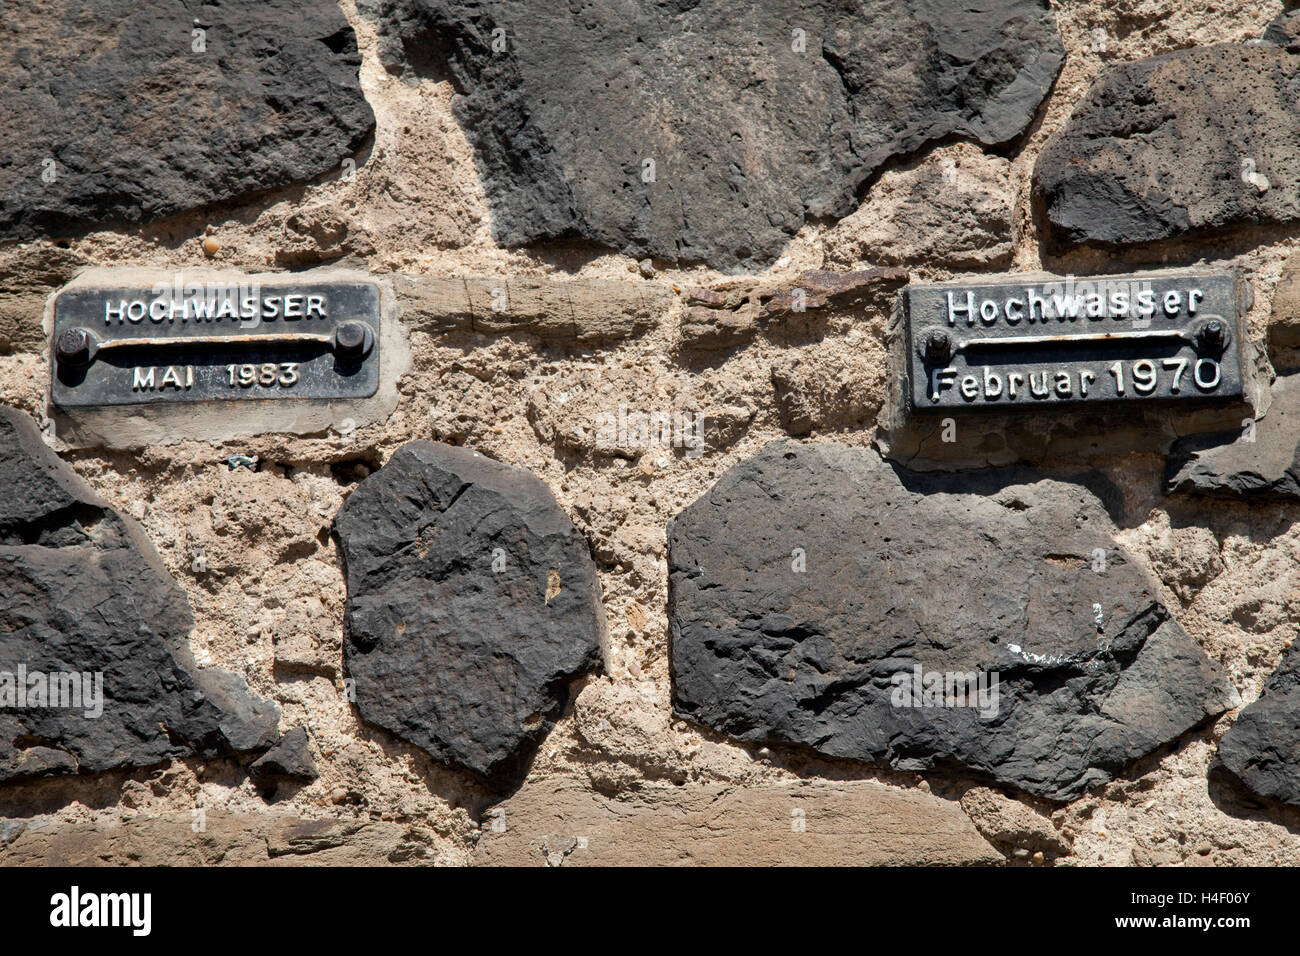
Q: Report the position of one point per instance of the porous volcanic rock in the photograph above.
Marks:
(1263, 747)
(85, 593)
(472, 604)
(808, 585)
(1187, 142)
(124, 111)
(708, 130)
(1261, 462)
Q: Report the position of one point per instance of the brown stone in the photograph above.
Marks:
(589, 311)
(226, 840)
(558, 822)
(729, 316)
(1012, 825)
(1284, 326)
(28, 274)
(704, 329)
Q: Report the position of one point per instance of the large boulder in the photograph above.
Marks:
(95, 668)
(707, 129)
(124, 111)
(816, 593)
(473, 602)
(1185, 143)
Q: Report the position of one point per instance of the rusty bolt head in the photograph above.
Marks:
(73, 346)
(350, 339)
(936, 346)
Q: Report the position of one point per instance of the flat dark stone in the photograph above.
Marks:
(749, 137)
(1263, 463)
(133, 124)
(467, 660)
(1263, 747)
(85, 593)
(969, 573)
(1181, 144)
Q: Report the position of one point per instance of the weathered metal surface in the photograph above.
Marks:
(1073, 342)
(215, 342)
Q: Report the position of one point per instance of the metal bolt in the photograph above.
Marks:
(73, 346)
(350, 339)
(1213, 336)
(937, 346)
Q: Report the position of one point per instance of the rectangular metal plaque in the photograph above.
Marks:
(1046, 342)
(215, 341)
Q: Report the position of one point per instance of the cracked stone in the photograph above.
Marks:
(705, 130)
(1181, 144)
(802, 601)
(125, 111)
(86, 594)
(472, 604)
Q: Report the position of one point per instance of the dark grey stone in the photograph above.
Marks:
(1284, 31)
(749, 137)
(469, 661)
(1263, 747)
(1263, 462)
(971, 573)
(288, 761)
(138, 125)
(1181, 144)
(84, 592)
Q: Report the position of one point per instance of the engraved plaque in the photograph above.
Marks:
(215, 341)
(1046, 343)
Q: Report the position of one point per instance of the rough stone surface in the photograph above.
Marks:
(139, 125)
(955, 209)
(1186, 558)
(962, 573)
(1284, 31)
(801, 308)
(1262, 748)
(27, 276)
(825, 389)
(1284, 323)
(588, 311)
(466, 661)
(559, 823)
(612, 415)
(705, 330)
(1263, 462)
(1010, 825)
(226, 840)
(289, 761)
(271, 600)
(749, 135)
(85, 592)
(1121, 171)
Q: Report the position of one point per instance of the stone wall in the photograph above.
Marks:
(628, 254)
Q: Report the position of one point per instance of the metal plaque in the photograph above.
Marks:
(215, 341)
(1046, 342)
